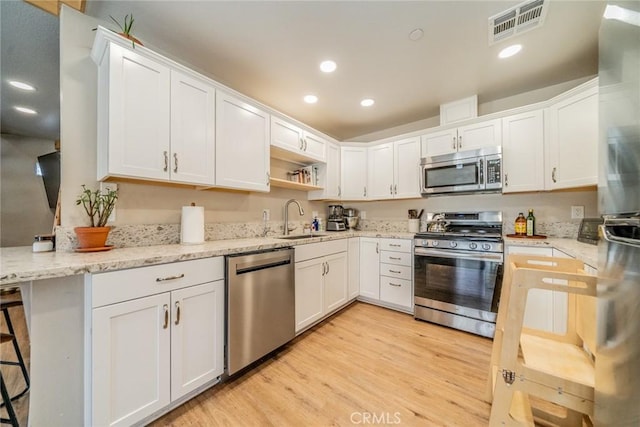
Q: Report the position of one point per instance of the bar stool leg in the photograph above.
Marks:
(13, 419)
(16, 348)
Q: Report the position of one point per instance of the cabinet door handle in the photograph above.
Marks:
(177, 322)
(328, 268)
(396, 258)
(391, 189)
(305, 144)
(365, 192)
(395, 284)
(395, 188)
(301, 144)
(268, 179)
(460, 142)
(175, 162)
(553, 175)
(454, 143)
(395, 245)
(339, 191)
(164, 279)
(166, 161)
(166, 316)
(395, 271)
(377, 248)
(324, 268)
(506, 179)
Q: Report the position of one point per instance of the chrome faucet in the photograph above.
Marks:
(286, 214)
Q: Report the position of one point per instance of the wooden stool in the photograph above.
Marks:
(6, 399)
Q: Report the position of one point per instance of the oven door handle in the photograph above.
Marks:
(422, 252)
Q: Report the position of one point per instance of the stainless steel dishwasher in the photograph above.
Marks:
(260, 305)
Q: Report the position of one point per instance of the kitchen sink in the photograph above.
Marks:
(300, 236)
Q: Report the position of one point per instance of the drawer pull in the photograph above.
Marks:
(396, 258)
(395, 245)
(164, 279)
(177, 322)
(395, 271)
(166, 316)
(395, 284)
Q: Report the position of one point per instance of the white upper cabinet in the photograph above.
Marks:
(192, 130)
(380, 171)
(289, 142)
(523, 152)
(133, 116)
(242, 145)
(155, 121)
(353, 174)
(394, 169)
(406, 168)
(470, 137)
(572, 146)
(329, 176)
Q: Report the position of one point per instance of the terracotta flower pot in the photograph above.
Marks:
(132, 38)
(92, 237)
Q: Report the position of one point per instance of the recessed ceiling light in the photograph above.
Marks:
(310, 99)
(328, 66)
(368, 102)
(621, 14)
(21, 85)
(26, 110)
(510, 51)
(416, 34)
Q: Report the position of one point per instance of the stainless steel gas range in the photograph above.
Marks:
(458, 266)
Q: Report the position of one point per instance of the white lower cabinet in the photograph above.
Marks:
(321, 273)
(148, 351)
(386, 271)
(354, 268)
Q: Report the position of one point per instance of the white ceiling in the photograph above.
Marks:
(270, 51)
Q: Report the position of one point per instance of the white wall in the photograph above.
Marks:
(24, 209)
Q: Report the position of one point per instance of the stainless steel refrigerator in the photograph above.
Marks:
(617, 398)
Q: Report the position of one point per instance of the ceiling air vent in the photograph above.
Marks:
(516, 20)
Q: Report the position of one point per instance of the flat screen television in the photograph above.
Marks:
(49, 166)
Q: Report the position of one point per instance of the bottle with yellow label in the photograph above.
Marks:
(521, 225)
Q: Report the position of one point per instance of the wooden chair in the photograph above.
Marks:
(527, 362)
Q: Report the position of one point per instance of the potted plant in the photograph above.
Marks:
(125, 29)
(98, 205)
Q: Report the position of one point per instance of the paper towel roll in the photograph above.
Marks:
(192, 225)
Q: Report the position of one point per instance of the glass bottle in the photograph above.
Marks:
(531, 223)
(521, 225)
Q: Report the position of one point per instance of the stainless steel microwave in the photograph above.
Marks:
(462, 172)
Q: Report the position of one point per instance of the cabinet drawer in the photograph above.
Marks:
(396, 291)
(320, 249)
(396, 245)
(398, 258)
(399, 271)
(123, 285)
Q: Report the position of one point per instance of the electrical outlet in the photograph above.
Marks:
(266, 214)
(363, 215)
(577, 212)
(110, 186)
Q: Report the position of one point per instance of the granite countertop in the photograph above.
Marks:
(583, 251)
(20, 264)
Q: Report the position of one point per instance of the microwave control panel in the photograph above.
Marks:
(493, 171)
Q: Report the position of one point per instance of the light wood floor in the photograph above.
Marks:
(364, 363)
(11, 374)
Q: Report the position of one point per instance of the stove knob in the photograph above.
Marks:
(435, 243)
(473, 245)
(486, 246)
(453, 244)
(425, 243)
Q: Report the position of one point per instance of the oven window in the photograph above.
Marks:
(462, 282)
(445, 176)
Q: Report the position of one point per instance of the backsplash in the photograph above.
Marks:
(123, 236)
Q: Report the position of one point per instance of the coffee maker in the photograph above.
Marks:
(335, 220)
